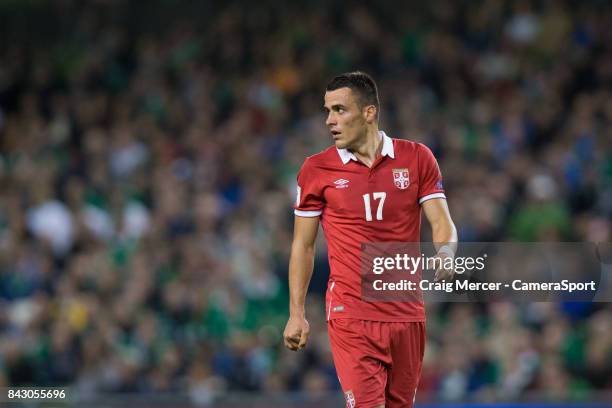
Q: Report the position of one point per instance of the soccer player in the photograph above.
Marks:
(367, 188)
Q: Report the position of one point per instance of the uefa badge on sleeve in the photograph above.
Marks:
(401, 178)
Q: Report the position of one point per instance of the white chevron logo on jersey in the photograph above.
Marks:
(341, 183)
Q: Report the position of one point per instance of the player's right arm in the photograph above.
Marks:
(301, 265)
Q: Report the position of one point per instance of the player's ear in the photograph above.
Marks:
(370, 113)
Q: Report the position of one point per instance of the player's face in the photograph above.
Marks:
(345, 119)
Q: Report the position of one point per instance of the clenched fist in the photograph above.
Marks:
(296, 333)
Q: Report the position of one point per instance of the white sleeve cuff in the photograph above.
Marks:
(301, 213)
(430, 196)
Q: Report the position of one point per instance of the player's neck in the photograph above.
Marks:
(370, 149)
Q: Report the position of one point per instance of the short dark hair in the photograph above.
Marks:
(360, 83)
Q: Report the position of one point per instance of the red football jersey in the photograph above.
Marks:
(357, 205)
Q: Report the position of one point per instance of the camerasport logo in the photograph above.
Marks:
(350, 399)
(401, 178)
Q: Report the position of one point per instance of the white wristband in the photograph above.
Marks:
(446, 249)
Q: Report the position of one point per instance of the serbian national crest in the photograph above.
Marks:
(401, 178)
(350, 399)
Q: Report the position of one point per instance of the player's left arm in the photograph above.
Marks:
(444, 233)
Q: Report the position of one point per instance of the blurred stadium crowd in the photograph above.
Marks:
(147, 171)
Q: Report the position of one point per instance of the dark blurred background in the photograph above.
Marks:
(148, 154)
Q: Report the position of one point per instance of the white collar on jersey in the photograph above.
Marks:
(387, 149)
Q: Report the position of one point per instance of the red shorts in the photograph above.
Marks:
(378, 363)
